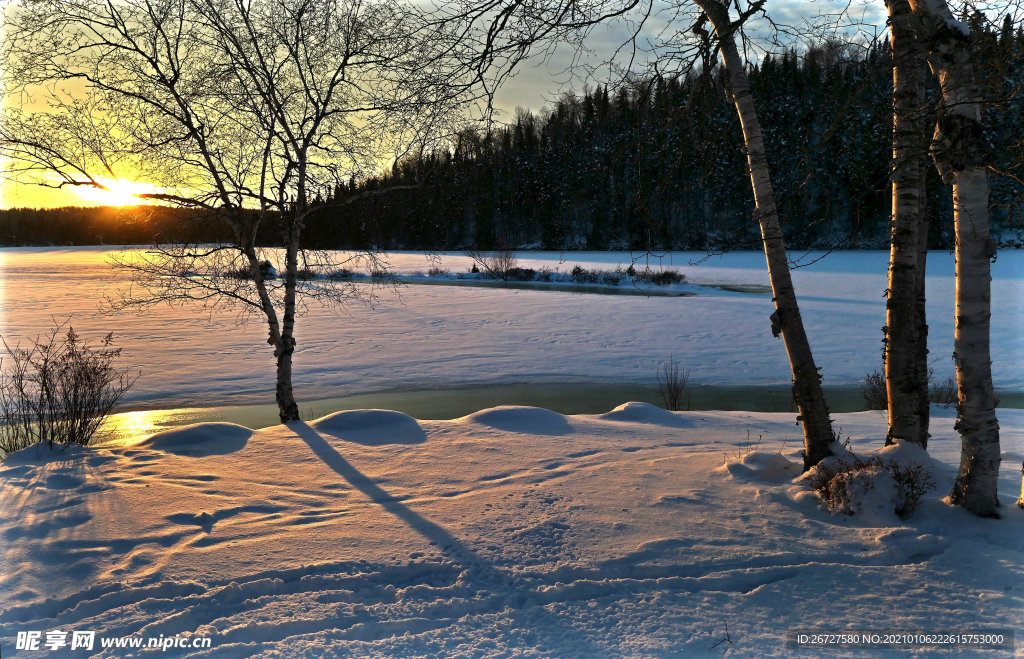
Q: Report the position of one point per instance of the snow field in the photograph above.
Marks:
(509, 532)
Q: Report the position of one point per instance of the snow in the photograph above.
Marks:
(436, 336)
(513, 531)
(510, 532)
(940, 10)
(200, 439)
(371, 427)
(769, 467)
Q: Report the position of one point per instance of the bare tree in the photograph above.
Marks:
(500, 264)
(959, 152)
(243, 110)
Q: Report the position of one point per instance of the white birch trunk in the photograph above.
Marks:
(786, 320)
(901, 327)
(977, 480)
(958, 153)
(287, 408)
(921, 318)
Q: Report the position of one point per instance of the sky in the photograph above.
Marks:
(536, 83)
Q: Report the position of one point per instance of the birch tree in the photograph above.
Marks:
(240, 109)
(959, 154)
(906, 328)
(786, 320)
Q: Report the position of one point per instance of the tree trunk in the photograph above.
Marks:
(902, 330)
(921, 316)
(786, 319)
(977, 480)
(959, 150)
(287, 408)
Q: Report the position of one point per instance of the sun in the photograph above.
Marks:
(118, 193)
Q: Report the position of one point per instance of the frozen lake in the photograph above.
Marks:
(427, 337)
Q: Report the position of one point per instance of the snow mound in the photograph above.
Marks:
(770, 467)
(372, 427)
(526, 420)
(200, 439)
(903, 451)
(645, 413)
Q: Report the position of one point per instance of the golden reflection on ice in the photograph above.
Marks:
(130, 428)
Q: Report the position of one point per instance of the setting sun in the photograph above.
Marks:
(118, 192)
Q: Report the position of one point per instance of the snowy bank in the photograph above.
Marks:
(510, 532)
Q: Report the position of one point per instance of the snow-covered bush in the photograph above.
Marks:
(850, 485)
(579, 274)
(58, 390)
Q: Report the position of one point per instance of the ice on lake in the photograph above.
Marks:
(426, 337)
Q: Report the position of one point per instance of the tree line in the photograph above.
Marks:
(103, 225)
(659, 163)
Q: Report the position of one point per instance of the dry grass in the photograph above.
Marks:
(672, 381)
(833, 482)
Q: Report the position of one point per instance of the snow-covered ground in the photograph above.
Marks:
(510, 532)
(432, 336)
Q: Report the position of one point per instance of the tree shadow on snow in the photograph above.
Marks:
(429, 530)
(530, 625)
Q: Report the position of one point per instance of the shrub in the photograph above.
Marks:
(59, 390)
(913, 482)
(341, 273)
(267, 269)
(436, 271)
(521, 274)
(665, 277)
(875, 395)
(499, 264)
(945, 394)
(672, 385)
(842, 483)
